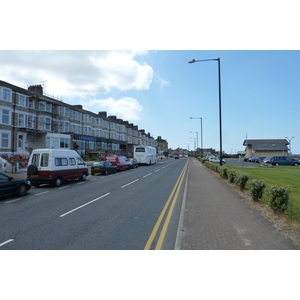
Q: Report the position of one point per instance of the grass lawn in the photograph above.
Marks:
(288, 176)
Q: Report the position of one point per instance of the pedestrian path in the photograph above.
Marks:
(217, 218)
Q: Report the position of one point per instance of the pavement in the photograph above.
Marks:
(215, 217)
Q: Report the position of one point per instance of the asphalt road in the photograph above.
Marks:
(118, 211)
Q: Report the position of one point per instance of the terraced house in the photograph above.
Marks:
(30, 119)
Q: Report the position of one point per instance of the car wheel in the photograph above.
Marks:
(22, 190)
(57, 182)
(83, 177)
(105, 172)
(296, 164)
(277, 164)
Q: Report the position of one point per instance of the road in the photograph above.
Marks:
(136, 209)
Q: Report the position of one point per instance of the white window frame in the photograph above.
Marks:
(21, 120)
(8, 115)
(6, 94)
(5, 136)
(21, 100)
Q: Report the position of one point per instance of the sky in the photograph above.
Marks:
(160, 91)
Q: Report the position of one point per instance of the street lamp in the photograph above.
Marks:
(290, 142)
(197, 137)
(201, 133)
(220, 106)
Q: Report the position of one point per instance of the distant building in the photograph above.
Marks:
(162, 145)
(269, 147)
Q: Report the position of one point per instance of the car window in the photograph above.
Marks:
(44, 159)
(35, 159)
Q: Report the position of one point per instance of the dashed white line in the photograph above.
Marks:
(83, 205)
(147, 175)
(157, 170)
(6, 242)
(129, 183)
(42, 193)
(63, 187)
(14, 200)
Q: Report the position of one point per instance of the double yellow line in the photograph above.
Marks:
(171, 202)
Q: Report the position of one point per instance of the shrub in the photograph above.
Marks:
(241, 179)
(256, 188)
(231, 173)
(279, 197)
(224, 172)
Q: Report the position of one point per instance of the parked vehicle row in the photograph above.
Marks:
(274, 160)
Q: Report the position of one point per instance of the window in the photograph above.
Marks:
(67, 127)
(35, 159)
(61, 161)
(64, 143)
(42, 106)
(48, 107)
(67, 112)
(80, 161)
(21, 120)
(21, 101)
(30, 104)
(6, 94)
(72, 161)
(47, 124)
(30, 122)
(4, 140)
(5, 116)
(44, 160)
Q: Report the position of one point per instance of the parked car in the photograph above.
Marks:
(217, 160)
(11, 186)
(284, 161)
(103, 167)
(259, 159)
(121, 162)
(133, 163)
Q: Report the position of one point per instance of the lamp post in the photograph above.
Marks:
(290, 142)
(201, 133)
(220, 106)
(196, 136)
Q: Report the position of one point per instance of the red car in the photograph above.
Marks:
(120, 162)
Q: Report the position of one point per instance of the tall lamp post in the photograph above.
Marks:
(290, 142)
(220, 106)
(196, 136)
(201, 133)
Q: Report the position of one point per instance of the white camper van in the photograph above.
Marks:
(52, 166)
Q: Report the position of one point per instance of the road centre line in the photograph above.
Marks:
(42, 193)
(6, 242)
(84, 205)
(14, 200)
(157, 170)
(147, 175)
(129, 183)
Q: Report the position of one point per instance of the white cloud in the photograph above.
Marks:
(74, 72)
(127, 108)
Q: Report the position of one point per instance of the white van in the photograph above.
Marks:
(52, 166)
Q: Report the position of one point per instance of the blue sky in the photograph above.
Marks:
(159, 90)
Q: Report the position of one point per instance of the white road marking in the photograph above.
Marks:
(6, 242)
(14, 200)
(63, 187)
(42, 193)
(129, 183)
(147, 175)
(83, 205)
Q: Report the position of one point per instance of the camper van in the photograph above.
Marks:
(53, 166)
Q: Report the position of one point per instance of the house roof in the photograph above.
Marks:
(267, 145)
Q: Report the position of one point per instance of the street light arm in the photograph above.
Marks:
(197, 60)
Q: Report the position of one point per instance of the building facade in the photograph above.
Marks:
(30, 119)
(267, 147)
